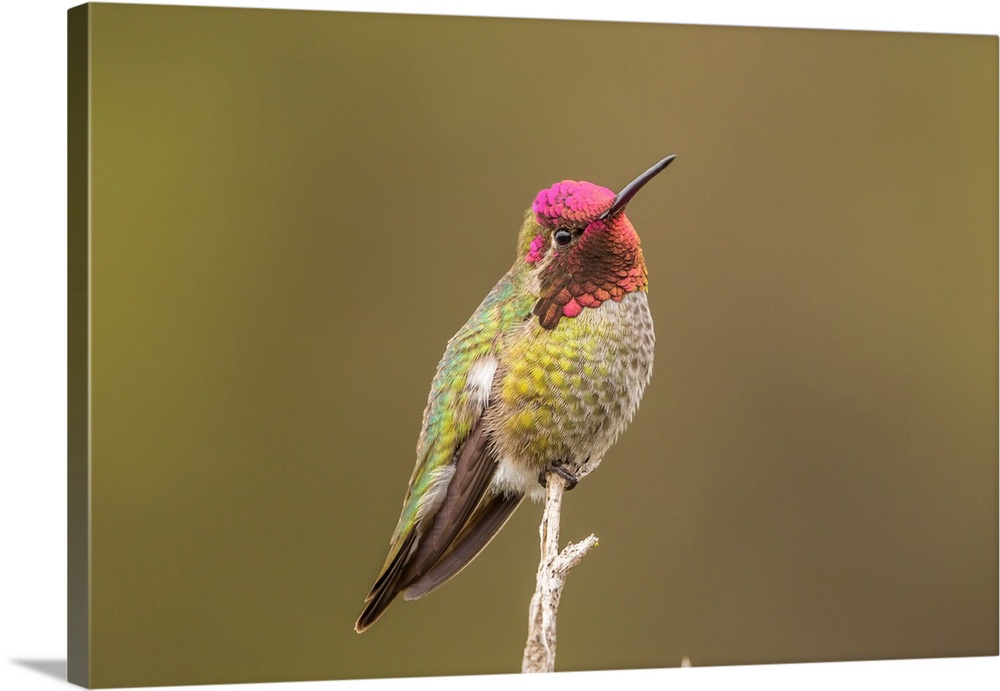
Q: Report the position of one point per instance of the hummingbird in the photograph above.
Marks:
(543, 377)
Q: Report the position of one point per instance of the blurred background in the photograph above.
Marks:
(292, 213)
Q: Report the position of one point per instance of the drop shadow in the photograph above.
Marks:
(52, 668)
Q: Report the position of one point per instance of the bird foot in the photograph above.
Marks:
(560, 470)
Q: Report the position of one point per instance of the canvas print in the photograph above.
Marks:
(373, 314)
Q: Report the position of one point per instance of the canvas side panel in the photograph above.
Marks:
(78, 346)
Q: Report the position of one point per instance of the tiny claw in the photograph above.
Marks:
(560, 470)
(569, 477)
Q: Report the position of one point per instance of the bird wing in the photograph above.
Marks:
(455, 460)
(487, 520)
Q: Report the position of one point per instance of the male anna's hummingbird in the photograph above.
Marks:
(544, 376)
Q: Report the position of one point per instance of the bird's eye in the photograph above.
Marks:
(563, 237)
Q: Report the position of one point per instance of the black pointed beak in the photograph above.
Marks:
(630, 189)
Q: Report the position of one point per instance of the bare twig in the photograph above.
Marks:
(553, 567)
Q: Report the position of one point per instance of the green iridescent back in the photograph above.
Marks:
(451, 411)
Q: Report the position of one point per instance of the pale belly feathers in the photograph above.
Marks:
(565, 395)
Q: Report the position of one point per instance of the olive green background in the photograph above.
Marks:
(293, 211)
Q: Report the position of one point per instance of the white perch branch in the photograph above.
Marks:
(553, 568)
